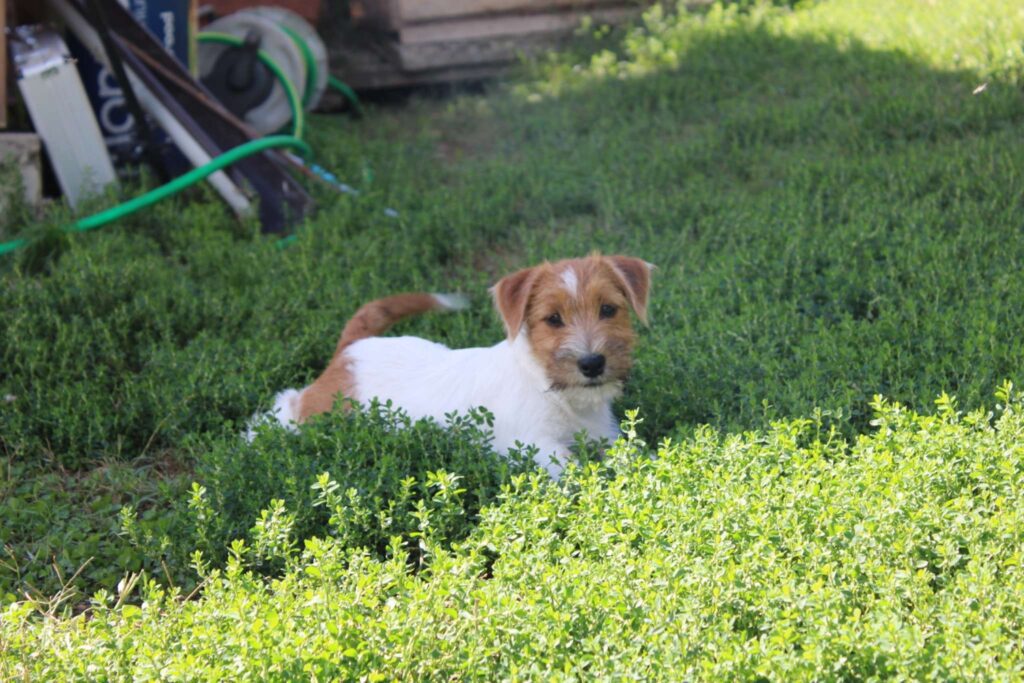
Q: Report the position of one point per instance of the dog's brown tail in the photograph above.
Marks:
(377, 316)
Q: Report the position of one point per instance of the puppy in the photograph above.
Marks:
(568, 351)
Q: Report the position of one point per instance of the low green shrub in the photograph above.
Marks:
(370, 475)
(789, 553)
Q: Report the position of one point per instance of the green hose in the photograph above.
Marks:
(348, 92)
(12, 245)
(177, 185)
(307, 55)
(298, 118)
(312, 73)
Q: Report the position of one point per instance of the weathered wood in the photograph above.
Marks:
(461, 44)
(416, 11)
(493, 27)
(389, 76)
(446, 54)
(376, 14)
(307, 9)
(368, 61)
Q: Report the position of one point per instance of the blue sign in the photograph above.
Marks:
(168, 21)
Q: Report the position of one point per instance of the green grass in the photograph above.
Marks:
(834, 206)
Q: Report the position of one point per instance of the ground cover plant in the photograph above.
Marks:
(788, 554)
(832, 194)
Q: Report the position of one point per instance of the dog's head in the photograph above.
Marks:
(575, 315)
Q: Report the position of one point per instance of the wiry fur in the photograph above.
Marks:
(531, 382)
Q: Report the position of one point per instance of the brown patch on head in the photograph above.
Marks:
(575, 314)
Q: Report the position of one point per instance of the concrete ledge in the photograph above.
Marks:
(25, 151)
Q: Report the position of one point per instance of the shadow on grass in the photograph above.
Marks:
(829, 222)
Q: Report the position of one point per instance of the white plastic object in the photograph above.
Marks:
(274, 112)
(301, 27)
(56, 100)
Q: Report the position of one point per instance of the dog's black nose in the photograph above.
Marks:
(591, 365)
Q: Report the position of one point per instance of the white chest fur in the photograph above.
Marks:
(427, 379)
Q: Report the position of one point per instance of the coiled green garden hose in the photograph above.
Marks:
(296, 105)
(307, 56)
(298, 118)
(312, 73)
(348, 93)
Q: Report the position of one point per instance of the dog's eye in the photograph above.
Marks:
(555, 320)
(608, 311)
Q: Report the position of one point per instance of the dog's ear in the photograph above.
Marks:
(511, 295)
(636, 281)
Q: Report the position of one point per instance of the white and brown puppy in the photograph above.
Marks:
(568, 352)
